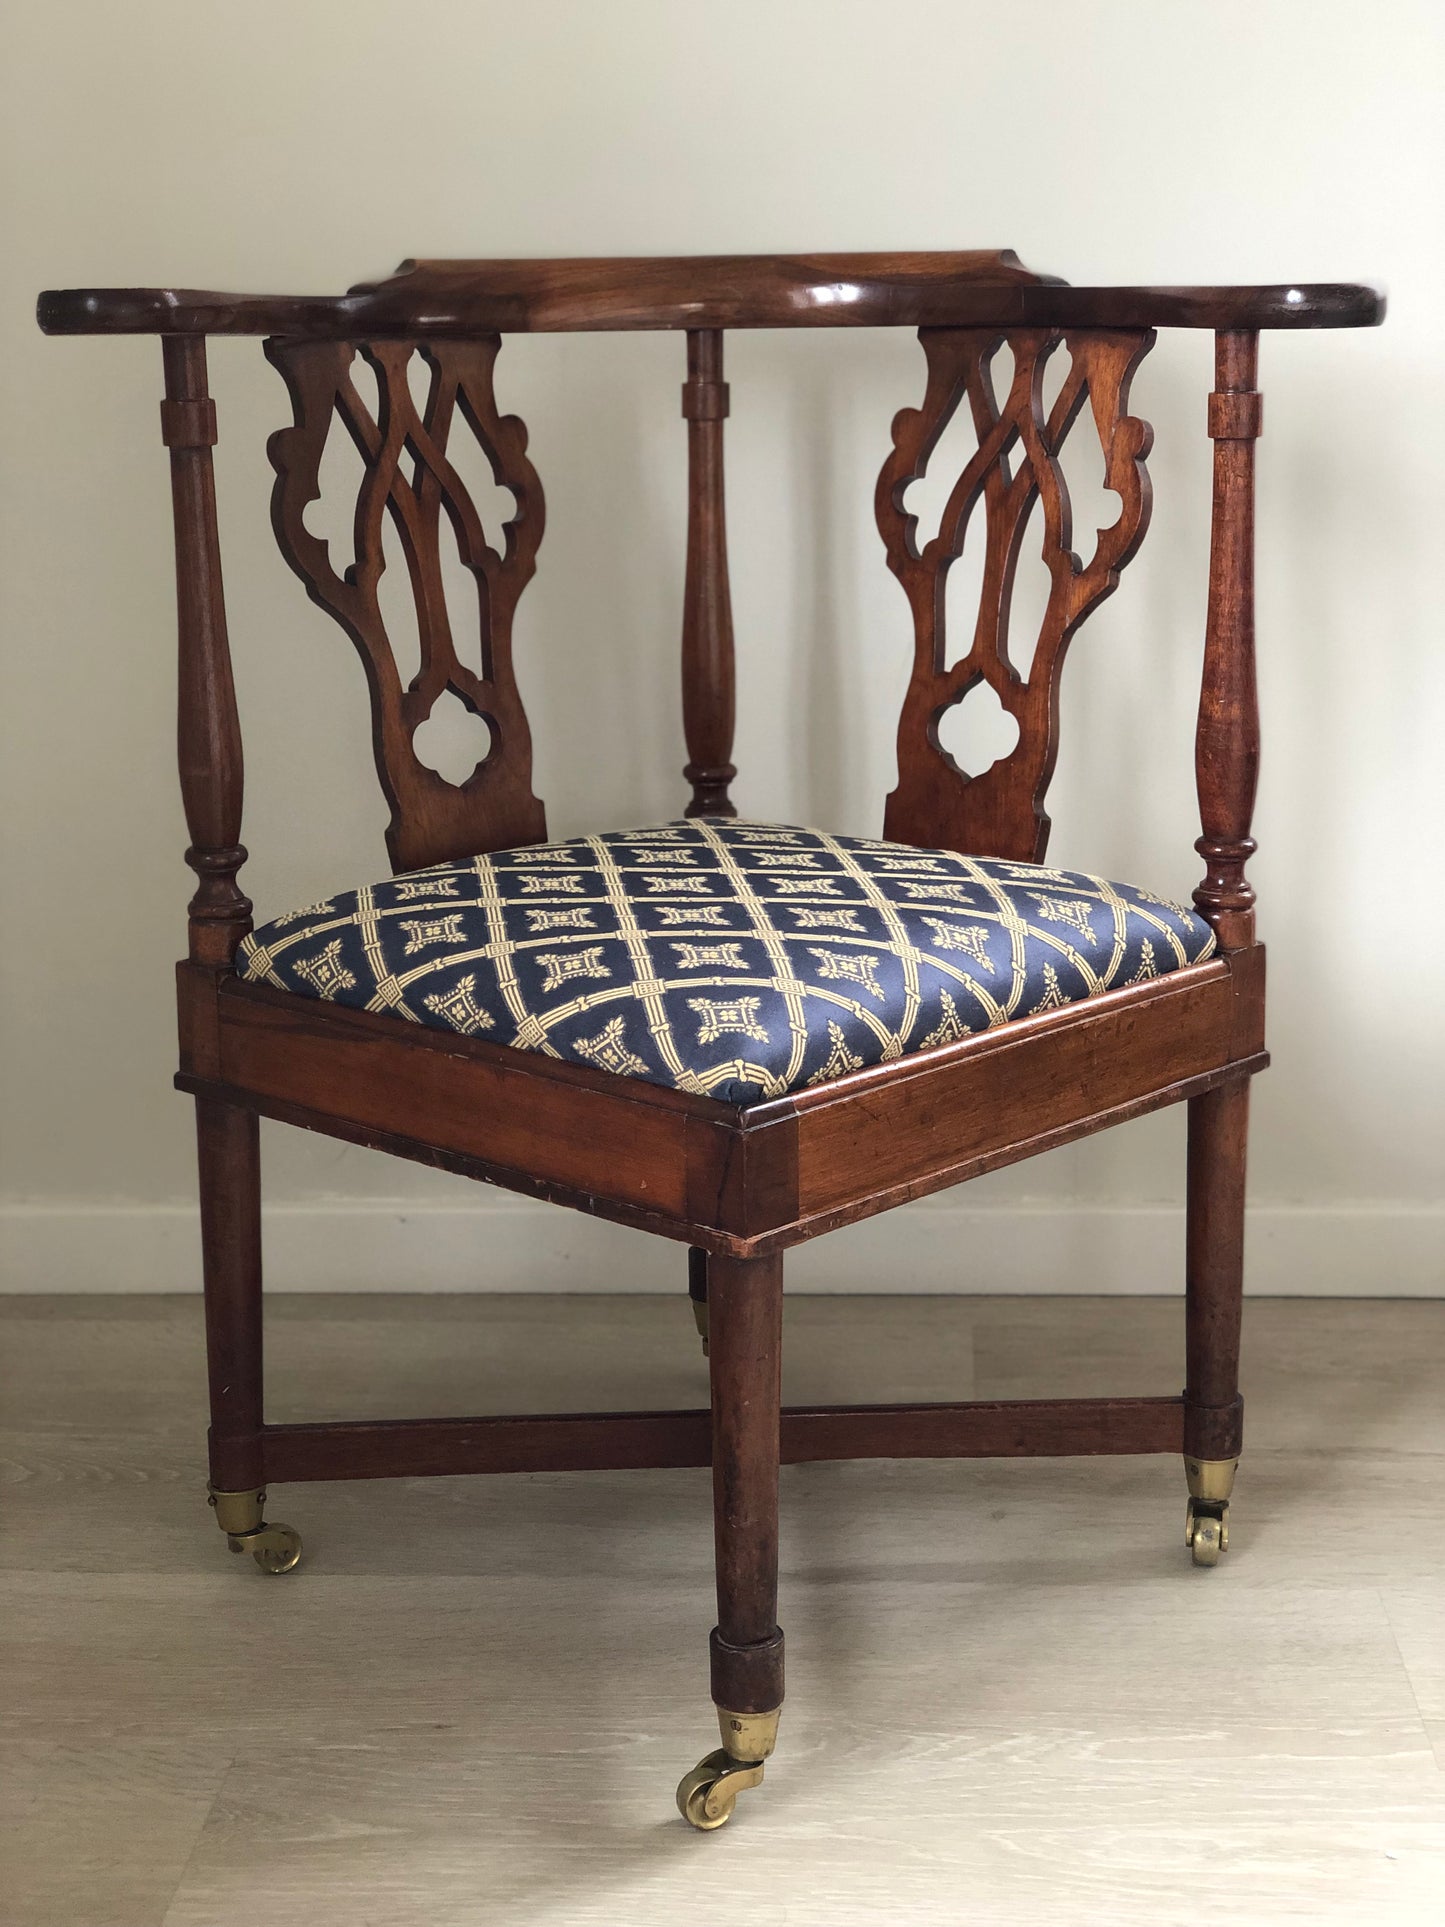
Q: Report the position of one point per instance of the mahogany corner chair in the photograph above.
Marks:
(735, 1035)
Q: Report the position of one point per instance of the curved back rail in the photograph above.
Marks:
(967, 307)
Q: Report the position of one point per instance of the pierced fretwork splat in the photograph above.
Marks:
(1000, 811)
(431, 819)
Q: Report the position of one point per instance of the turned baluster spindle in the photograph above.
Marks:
(708, 702)
(208, 726)
(1226, 756)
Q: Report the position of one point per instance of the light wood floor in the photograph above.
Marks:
(1011, 1698)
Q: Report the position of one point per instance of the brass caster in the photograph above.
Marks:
(1206, 1531)
(1211, 1479)
(1206, 1523)
(275, 1548)
(706, 1796)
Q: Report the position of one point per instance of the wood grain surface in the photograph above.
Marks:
(982, 288)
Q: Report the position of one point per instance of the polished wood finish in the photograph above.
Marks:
(1214, 1270)
(228, 1148)
(985, 288)
(625, 1441)
(1013, 1096)
(432, 820)
(585, 1135)
(1226, 754)
(735, 1181)
(1009, 1428)
(208, 731)
(521, 1442)
(1000, 811)
(745, 1361)
(697, 1275)
(708, 701)
(736, 1186)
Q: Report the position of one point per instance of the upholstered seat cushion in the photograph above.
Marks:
(736, 959)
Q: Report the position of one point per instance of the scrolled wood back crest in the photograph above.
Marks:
(432, 819)
(1000, 811)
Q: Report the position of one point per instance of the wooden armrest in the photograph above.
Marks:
(985, 288)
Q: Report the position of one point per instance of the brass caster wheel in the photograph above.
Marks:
(275, 1548)
(706, 1796)
(1206, 1532)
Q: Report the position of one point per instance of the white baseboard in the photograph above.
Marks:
(511, 1245)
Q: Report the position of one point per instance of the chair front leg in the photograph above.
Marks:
(228, 1149)
(745, 1317)
(1214, 1302)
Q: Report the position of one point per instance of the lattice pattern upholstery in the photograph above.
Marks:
(736, 959)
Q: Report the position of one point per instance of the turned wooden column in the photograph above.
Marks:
(208, 738)
(708, 701)
(208, 726)
(1226, 756)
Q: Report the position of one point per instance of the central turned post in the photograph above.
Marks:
(708, 703)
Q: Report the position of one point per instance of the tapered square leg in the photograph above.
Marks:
(745, 1312)
(1214, 1301)
(228, 1149)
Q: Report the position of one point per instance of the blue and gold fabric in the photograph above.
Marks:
(738, 960)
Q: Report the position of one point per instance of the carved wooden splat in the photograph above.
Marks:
(432, 819)
(1000, 811)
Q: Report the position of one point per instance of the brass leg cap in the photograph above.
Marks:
(749, 1737)
(237, 1511)
(275, 1547)
(1211, 1479)
(706, 1796)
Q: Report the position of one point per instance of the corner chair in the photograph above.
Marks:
(732, 1034)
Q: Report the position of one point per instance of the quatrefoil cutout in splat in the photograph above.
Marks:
(453, 740)
(977, 731)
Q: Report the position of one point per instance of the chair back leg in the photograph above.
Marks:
(228, 1142)
(229, 1153)
(1214, 1303)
